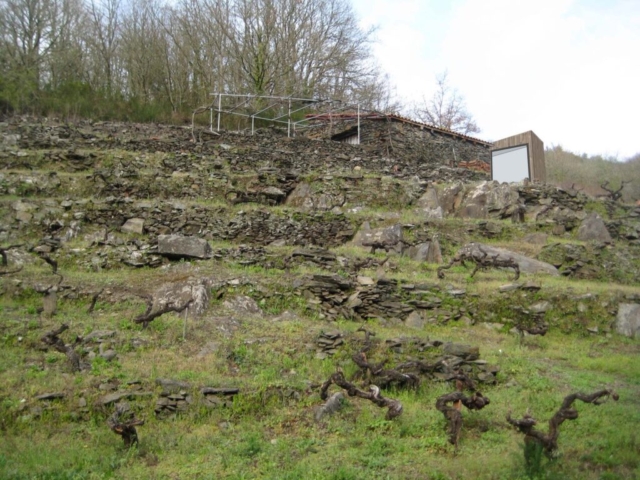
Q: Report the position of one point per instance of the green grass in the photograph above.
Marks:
(270, 433)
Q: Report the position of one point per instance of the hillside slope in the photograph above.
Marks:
(211, 287)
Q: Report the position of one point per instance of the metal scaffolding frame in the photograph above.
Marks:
(244, 102)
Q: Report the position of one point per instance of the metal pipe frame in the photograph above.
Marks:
(310, 102)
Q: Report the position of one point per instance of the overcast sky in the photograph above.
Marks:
(567, 69)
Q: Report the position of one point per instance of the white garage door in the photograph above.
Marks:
(510, 164)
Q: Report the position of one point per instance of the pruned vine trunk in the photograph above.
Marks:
(148, 316)
(125, 428)
(394, 406)
(94, 300)
(52, 339)
(549, 441)
(480, 257)
(3, 253)
(383, 377)
(452, 413)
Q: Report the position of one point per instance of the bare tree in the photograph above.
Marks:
(41, 48)
(30, 30)
(161, 52)
(447, 109)
(143, 52)
(66, 62)
(103, 41)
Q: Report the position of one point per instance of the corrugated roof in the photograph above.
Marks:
(400, 118)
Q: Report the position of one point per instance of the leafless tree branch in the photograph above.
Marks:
(447, 109)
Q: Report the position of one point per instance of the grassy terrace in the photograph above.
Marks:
(269, 432)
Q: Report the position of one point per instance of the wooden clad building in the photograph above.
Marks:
(535, 148)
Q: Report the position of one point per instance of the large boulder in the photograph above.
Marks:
(415, 320)
(479, 200)
(425, 252)
(594, 229)
(242, 305)
(413, 188)
(467, 352)
(388, 237)
(433, 213)
(566, 218)
(300, 197)
(274, 193)
(537, 238)
(451, 197)
(474, 203)
(502, 199)
(24, 211)
(178, 294)
(628, 321)
(435, 253)
(418, 253)
(331, 406)
(179, 246)
(429, 200)
(489, 199)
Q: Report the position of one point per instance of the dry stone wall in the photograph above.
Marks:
(162, 218)
(396, 139)
(242, 152)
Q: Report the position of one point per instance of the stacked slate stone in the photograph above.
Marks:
(545, 194)
(570, 259)
(329, 293)
(486, 229)
(465, 359)
(174, 398)
(243, 254)
(217, 397)
(115, 251)
(15, 183)
(284, 180)
(319, 256)
(173, 403)
(380, 300)
(398, 345)
(425, 300)
(328, 343)
(444, 174)
(72, 160)
(626, 228)
(160, 218)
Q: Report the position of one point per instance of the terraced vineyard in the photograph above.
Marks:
(265, 307)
